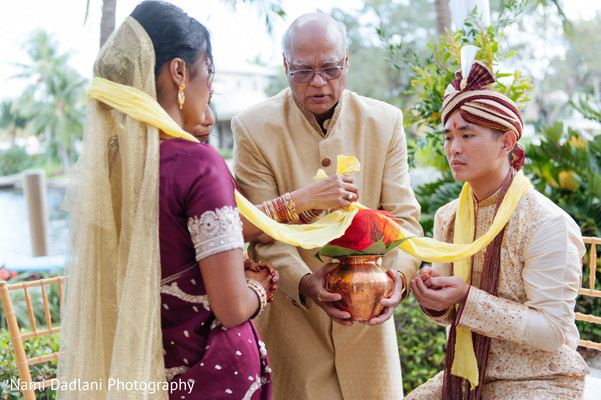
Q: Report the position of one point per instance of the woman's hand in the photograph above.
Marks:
(264, 273)
(335, 191)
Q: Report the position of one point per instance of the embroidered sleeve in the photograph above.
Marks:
(492, 316)
(216, 231)
(442, 318)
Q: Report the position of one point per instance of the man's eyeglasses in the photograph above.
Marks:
(307, 75)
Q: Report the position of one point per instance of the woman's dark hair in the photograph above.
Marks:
(173, 33)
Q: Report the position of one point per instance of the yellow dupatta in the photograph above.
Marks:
(144, 108)
(464, 363)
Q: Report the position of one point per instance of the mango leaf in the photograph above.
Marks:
(378, 248)
(394, 244)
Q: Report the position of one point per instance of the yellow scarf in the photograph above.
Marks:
(464, 363)
(144, 108)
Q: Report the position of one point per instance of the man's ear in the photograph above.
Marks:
(346, 62)
(285, 64)
(509, 139)
(177, 70)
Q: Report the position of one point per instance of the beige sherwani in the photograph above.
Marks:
(279, 149)
(531, 320)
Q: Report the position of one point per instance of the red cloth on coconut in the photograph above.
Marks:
(367, 228)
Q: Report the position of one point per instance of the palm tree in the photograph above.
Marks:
(52, 103)
(11, 120)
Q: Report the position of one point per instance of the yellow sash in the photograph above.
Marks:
(144, 108)
(465, 364)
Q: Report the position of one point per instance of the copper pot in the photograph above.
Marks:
(362, 284)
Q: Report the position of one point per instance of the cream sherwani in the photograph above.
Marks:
(531, 320)
(279, 148)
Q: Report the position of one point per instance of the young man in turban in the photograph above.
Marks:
(510, 307)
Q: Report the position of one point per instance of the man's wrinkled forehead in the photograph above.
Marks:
(319, 62)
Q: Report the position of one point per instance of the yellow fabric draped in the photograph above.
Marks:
(464, 363)
(143, 108)
(137, 105)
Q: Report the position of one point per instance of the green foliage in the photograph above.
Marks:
(10, 119)
(434, 195)
(377, 248)
(370, 72)
(588, 107)
(14, 160)
(566, 168)
(33, 348)
(421, 344)
(226, 153)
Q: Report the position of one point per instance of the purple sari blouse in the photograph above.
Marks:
(199, 218)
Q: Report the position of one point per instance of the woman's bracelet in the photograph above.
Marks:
(261, 294)
(310, 215)
(281, 209)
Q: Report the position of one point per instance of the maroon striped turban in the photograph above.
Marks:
(484, 106)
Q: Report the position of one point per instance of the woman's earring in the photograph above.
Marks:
(181, 97)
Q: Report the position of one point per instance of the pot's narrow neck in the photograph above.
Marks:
(359, 259)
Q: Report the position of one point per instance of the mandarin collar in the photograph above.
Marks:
(493, 198)
(313, 121)
(489, 201)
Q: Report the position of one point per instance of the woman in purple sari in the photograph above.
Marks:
(211, 348)
(200, 225)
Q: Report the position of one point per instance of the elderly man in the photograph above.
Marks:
(280, 144)
(510, 307)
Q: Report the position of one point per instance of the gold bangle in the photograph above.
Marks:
(261, 294)
(290, 208)
(406, 288)
(310, 215)
(281, 209)
(267, 209)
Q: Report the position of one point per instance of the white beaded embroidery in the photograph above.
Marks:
(216, 231)
(172, 372)
(175, 291)
(253, 388)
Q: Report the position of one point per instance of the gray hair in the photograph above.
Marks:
(288, 37)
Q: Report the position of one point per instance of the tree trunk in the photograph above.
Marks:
(107, 22)
(443, 16)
